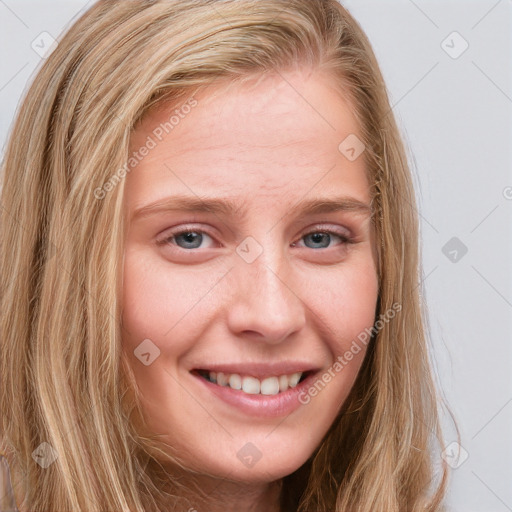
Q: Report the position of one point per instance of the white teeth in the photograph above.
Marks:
(251, 385)
(283, 383)
(222, 378)
(293, 379)
(270, 386)
(254, 386)
(235, 381)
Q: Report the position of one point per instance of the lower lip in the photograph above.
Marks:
(270, 406)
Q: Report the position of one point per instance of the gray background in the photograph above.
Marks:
(455, 111)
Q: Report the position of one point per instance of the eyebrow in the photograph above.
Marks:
(227, 207)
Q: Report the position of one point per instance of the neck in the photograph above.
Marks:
(204, 493)
(227, 496)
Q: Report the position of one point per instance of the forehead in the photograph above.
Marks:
(278, 133)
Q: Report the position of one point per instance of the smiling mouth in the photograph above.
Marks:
(250, 385)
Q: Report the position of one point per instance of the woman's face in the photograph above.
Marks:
(249, 261)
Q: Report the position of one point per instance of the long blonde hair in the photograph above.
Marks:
(64, 380)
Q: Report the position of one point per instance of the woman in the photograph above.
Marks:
(260, 371)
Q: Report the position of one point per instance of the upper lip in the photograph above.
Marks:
(259, 370)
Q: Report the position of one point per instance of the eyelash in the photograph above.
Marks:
(345, 240)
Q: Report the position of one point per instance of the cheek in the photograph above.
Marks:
(171, 307)
(348, 300)
(345, 310)
(158, 305)
(159, 301)
(346, 306)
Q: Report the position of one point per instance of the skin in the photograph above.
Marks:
(268, 145)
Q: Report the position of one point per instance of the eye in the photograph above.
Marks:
(321, 238)
(189, 238)
(186, 239)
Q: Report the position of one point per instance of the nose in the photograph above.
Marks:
(265, 305)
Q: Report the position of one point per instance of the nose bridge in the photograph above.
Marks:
(270, 277)
(265, 301)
